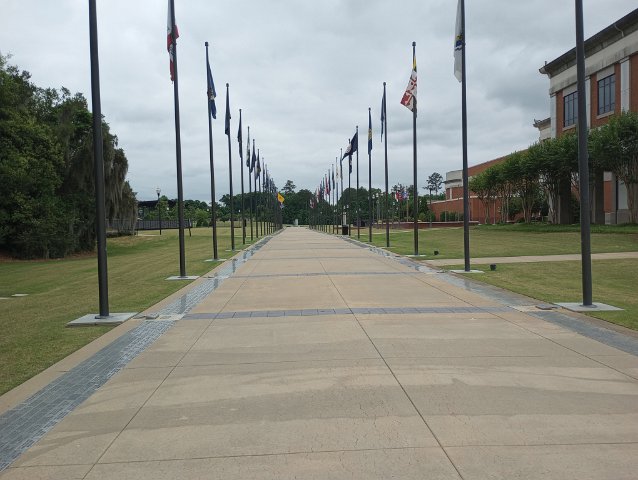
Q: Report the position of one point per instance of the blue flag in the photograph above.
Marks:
(211, 91)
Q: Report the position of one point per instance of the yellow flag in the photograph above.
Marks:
(280, 197)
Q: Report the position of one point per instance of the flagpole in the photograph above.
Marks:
(414, 167)
(583, 162)
(212, 171)
(98, 156)
(256, 196)
(370, 175)
(241, 169)
(250, 187)
(335, 227)
(349, 211)
(230, 171)
(260, 207)
(178, 150)
(387, 209)
(466, 192)
(356, 196)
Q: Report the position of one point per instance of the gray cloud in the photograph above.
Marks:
(304, 74)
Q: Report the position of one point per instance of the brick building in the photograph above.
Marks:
(611, 64)
(611, 86)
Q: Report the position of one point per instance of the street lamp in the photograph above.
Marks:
(159, 210)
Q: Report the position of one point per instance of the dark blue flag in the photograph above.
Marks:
(211, 91)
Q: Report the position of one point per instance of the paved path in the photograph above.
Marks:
(318, 359)
(534, 258)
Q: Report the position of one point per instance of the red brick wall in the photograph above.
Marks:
(560, 113)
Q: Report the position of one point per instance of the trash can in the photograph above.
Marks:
(344, 230)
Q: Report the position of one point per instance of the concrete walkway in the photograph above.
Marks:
(318, 359)
(533, 258)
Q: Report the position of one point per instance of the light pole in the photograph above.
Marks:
(159, 209)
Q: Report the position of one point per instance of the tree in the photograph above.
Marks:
(435, 181)
(484, 185)
(615, 146)
(289, 188)
(46, 169)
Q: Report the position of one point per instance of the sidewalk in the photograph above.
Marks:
(533, 258)
(315, 358)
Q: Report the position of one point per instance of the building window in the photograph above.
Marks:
(607, 94)
(570, 103)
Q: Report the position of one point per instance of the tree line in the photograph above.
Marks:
(47, 205)
(545, 176)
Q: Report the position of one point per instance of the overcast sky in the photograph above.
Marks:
(304, 73)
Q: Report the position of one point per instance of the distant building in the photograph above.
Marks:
(611, 85)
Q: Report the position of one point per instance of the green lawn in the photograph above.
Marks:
(508, 240)
(33, 334)
(614, 282)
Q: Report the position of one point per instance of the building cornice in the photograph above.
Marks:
(609, 35)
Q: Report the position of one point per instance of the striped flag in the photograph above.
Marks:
(409, 97)
(172, 35)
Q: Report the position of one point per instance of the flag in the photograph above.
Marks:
(355, 143)
(172, 35)
(248, 150)
(240, 140)
(257, 168)
(212, 94)
(227, 129)
(459, 40)
(333, 176)
(253, 159)
(369, 132)
(353, 146)
(280, 197)
(350, 164)
(409, 97)
(382, 113)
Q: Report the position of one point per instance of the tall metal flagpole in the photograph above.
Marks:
(98, 158)
(387, 209)
(213, 203)
(256, 197)
(583, 161)
(250, 187)
(415, 191)
(241, 169)
(336, 226)
(230, 172)
(356, 195)
(369, 175)
(349, 211)
(341, 175)
(466, 190)
(178, 149)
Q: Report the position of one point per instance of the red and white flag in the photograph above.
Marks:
(409, 97)
(171, 35)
